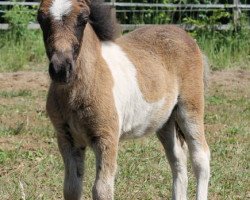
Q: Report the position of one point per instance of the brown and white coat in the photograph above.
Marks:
(105, 88)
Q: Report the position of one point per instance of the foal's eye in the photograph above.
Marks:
(41, 17)
(76, 48)
(82, 20)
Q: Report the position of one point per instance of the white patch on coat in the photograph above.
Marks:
(60, 8)
(136, 115)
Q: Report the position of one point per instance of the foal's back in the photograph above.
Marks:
(164, 57)
(165, 44)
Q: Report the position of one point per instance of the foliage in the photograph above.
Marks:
(141, 15)
(158, 15)
(225, 48)
(208, 22)
(19, 46)
(18, 18)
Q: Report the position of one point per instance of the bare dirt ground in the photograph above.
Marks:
(234, 79)
(24, 80)
(40, 80)
(234, 82)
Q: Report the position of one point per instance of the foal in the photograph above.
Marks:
(105, 88)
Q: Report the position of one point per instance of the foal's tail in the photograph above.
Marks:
(206, 70)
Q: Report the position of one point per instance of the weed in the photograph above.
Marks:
(23, 55)
(3, 156)
(20, 47)
(11, 94)
(226, 49)
(12, 130)
(19, 21)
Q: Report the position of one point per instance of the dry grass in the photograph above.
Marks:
(31, 167)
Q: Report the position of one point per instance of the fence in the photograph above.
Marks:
(119, 7)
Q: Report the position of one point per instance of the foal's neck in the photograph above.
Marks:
(89, 54)
(87, 64)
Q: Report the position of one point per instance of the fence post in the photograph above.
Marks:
(236, 13)
(113, 7)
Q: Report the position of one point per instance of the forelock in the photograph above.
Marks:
(60, 8)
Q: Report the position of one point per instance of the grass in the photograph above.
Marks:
(224, 49)
(30, 163)
(21, 54)
(11, 94)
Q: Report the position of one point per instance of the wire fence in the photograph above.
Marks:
(138, 8)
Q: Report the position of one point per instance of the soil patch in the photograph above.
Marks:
(40, 80)
(24, 81)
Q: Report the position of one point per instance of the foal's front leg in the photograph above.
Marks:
(105, 149)
(73, 158)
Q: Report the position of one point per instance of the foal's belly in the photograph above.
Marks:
(145, 118)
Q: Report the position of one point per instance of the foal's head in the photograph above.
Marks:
(63, 23)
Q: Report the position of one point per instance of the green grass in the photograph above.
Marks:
(226, 49)
(29, 156)
(19, 93)
(22, 54)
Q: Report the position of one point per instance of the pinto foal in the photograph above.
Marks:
(105, 88)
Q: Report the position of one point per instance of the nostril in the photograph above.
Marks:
(51, 69)
(60, 68)
(70, 67)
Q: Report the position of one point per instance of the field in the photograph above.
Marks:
(31, 167)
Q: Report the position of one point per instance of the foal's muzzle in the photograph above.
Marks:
(60, 68)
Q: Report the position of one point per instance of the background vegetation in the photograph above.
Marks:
(22, 49)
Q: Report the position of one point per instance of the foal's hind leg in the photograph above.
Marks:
(73, 158)
(175, 149)
(190, 120)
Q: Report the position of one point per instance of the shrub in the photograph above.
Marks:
(18, 18)
(19, 46)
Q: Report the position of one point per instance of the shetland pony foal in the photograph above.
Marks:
(104, 89)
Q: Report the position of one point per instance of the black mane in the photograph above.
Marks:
(103, 21)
